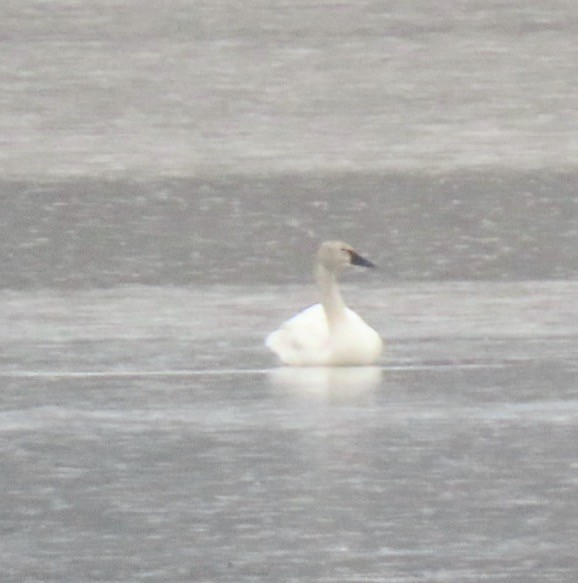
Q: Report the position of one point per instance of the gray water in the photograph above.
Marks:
(166, 171)
(146, 435)
(119, 87)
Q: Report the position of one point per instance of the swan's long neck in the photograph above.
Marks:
(331, 299)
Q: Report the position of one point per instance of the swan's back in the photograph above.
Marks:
(305, 340)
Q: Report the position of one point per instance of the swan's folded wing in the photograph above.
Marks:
(302, 337)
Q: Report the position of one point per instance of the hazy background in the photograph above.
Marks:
(217, 142)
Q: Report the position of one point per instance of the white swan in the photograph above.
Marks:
(329, 333)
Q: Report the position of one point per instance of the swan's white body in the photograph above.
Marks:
(329, 333)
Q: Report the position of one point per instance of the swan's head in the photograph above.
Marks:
(335, 255)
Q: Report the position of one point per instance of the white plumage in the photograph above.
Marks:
(329, 333)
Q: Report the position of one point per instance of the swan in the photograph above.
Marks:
(328, 333)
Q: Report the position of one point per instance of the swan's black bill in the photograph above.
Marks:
(359, 260)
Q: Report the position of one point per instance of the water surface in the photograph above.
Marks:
(147, 435)
(167, 170)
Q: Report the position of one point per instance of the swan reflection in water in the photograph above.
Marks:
(340, 384)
